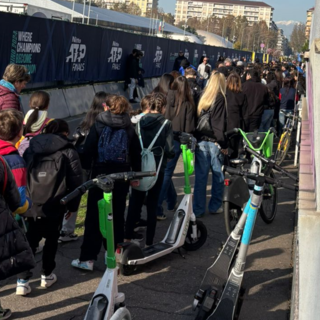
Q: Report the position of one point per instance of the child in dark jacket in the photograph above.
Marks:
(150, 124)
(45, 218)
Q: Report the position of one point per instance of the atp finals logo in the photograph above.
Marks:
(158, 58)
(77, 54)
(116, 55)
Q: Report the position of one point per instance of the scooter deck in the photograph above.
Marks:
(218, 273)
(156, 248)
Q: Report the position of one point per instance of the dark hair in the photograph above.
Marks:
(254, 73)
(234, 83)
(56, 126)
(183, 93)
(270, 77)
(10, 124)
(95, 108)
(164, 84)
(175, 74)
(39, 100)
(190, 72)
(158, 101)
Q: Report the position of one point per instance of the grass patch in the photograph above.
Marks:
(81, 215)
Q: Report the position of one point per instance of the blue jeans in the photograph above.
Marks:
(208, 156)
(266, 120)
(168, 191)
(282, 119)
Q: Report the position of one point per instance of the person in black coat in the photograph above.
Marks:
(177, 61)
(196, 90)
(9, 202)
(116, 117)
(257, 97)
(181, 112)
(132, 72)
(150, 125)
(236, 106)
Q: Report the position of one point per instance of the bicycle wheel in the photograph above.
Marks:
(192, 245)
(268, 207)
(283, 147)
(232, 215)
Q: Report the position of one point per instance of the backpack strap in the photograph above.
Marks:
(5, 180)
(139, 134)
(156, 137)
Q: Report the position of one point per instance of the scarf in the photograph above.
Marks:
(42, 116)
(9, 86)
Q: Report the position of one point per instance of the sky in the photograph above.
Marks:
(284, 10)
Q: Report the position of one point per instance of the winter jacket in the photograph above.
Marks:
(9, 99)
(15, 251)
(287, 96)
(236, 106)
(132, 68)
(47, 144)
(257, 97)
(150, 124)
(185, 120)
(218, 122)
(195, 89)
(116, 121)
(19, 171)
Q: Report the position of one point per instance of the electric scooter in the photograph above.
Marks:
(107, 303)
(219, 295)
(184, 230)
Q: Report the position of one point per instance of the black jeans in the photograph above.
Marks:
(49, 229)
(135, 205)
(92, 238)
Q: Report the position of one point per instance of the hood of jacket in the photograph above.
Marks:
(150, 120)
(6, 148)
(119, 121)
(49, 143)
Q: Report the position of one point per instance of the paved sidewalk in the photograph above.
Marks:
(164, 289)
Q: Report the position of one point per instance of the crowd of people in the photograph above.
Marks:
(40, 163)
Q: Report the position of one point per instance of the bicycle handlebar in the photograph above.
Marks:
(105, 180)
(253, 176)
(271, 161)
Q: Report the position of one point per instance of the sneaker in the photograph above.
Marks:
(5, 313)
(141, 225)
(48, 281)
(84, 265)
(220, 210)
(162, 217)
(23, 287)
(64, 237)
(137, 237)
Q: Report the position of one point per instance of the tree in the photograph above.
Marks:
(132, 8)
(298, 37)
(237, 45)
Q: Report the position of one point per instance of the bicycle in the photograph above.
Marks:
(237, 190)
(286, 136)
(220, 290)
(107, 303)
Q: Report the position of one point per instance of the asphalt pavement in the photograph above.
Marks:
(164, 289)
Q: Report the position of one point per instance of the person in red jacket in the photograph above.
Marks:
(15, 79)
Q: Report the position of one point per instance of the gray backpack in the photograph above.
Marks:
(148, 162)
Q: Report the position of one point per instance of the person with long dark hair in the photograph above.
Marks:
(181, 112)
(164, 84)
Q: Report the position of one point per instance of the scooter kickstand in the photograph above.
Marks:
(181, 254)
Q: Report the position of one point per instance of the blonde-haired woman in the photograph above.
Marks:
(212, 145)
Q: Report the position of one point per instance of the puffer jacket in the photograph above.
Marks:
(9, 99)
(15, 252)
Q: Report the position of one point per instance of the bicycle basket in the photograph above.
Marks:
(261, 141)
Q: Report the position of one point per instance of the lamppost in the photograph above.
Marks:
(89, 12)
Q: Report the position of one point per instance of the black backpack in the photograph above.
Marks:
(47, 184)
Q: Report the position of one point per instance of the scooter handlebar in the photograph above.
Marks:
(230, 132)
(77, 192)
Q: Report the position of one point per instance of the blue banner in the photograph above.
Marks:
(75, 53)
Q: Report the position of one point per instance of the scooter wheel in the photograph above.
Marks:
(191, 244)
(127, 270)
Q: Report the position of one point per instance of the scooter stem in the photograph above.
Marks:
(106, 227)
(187, 187)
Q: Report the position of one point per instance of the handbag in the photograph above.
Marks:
(15, 255)
(204, 123)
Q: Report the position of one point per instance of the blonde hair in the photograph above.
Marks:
(216, 85)
(15, 72)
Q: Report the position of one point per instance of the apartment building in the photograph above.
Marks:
(144, 5)
(254, 11)
(283, 43)
(309, 22)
